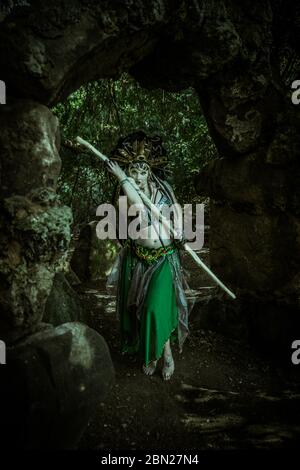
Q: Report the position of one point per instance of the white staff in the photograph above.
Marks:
(161, 219)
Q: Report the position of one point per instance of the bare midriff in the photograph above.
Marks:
(149, 235)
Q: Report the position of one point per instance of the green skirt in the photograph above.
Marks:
(146, 334)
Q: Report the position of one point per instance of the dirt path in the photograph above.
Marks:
(222, 395)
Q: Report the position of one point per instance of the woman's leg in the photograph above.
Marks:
(169, 365)
(159, 318)
(129, 327)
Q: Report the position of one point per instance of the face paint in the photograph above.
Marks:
(140, 173)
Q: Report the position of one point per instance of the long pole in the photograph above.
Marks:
(157, 213)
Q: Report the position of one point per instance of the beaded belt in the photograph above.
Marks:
(150, 255)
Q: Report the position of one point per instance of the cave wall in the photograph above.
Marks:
(35, 228)
(56, 47)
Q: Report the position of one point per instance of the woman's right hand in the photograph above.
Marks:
(116, 170)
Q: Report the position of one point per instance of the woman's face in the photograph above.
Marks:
(140, 173)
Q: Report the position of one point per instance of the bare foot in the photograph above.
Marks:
(150, 369)
(168, 368)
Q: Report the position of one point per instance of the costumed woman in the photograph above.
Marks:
(151, 304)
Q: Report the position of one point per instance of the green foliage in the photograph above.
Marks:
(102, 111)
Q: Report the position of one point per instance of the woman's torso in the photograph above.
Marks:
(154, 234)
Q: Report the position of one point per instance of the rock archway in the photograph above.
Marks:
(227, 52)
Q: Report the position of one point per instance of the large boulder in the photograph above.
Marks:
(54, 380)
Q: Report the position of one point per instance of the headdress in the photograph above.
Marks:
(137, 147)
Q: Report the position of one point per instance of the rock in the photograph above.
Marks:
(251, 184)
(53, 49)
(30, 161)
(63, 304)
(72, 278)
(93, 258)
(268, 325)
(54, 380)
(256, 253)
(35, 227)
